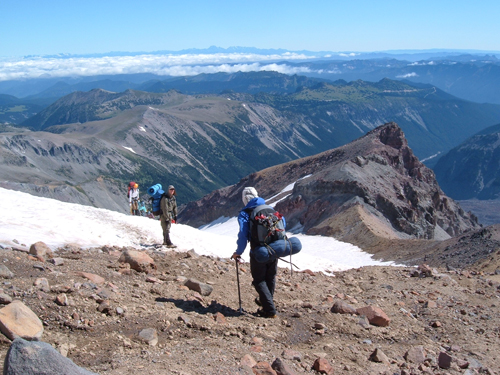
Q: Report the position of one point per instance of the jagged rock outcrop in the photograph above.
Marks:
(372, 187)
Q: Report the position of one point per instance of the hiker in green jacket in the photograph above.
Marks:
(168, 216)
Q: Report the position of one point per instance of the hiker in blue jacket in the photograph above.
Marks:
(263, 274)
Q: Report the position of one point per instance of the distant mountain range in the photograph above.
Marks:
(408, 54)
(472, 169)
(470, 77)
(338, 112)
(87, 145)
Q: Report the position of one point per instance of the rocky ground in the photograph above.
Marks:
(114, 320)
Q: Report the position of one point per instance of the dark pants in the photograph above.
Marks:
(165, 226)
(264, 282)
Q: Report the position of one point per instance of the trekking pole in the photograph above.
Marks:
(291, 264)
(238, 280)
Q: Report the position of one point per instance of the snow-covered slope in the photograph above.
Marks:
(28, 219)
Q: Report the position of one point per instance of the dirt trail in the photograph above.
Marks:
(452, 312)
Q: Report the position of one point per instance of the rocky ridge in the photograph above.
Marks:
(170, 139)
(109, 316)
(367, 192)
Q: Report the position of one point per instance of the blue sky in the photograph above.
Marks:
(36, 27)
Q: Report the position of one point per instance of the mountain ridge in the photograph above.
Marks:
(471, 170)
(368, 105)
(368, 192)
(201, 143)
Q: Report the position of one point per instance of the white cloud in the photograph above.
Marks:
(174, 65)
(412, 74)
(421, 63)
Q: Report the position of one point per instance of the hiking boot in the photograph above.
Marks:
(169, 243)
(257, 301)
(266, 314)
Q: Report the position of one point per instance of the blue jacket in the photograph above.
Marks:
(244, 222)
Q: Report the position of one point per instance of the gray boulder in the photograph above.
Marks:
(38, 358)
(5, 273)
(202, 288)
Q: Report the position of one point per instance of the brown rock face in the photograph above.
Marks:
(371, 189)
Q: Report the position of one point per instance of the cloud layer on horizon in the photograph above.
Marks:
(171, 65)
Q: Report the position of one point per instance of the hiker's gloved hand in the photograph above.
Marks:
(236, 256)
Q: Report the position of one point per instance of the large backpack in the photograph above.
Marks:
(130, 186)
(156, 192)
(266, 226)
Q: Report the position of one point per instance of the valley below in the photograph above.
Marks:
(487, 211)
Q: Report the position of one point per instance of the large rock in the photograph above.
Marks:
(149, 336)
(40, 250)
(263, 368)
(138, 260)
(17, 320)
(375, 315)
(5, 273)
(379, 356)
(282, 368)
(96, 279)
(322, 366)
(341, 307)
(198, 286)
(38, 358)
(416, 354)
